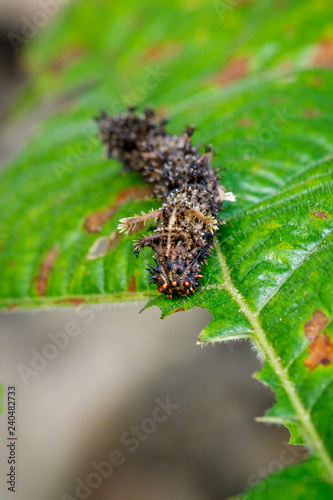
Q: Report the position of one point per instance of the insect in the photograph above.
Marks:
(189, 188)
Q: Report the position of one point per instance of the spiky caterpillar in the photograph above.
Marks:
(184, 179)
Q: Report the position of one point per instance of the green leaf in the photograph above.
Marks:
(298, 482)
(254, 79)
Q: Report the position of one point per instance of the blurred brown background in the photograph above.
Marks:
(89, 400)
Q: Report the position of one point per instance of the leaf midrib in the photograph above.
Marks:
(266, 349)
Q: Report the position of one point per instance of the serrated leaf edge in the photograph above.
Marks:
(267, 351)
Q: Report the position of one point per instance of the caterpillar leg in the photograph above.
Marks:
(210, 222)
(141, 243)
(128, 224)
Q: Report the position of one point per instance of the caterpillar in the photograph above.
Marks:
(189, 188)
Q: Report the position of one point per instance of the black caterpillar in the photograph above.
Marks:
(184, 179)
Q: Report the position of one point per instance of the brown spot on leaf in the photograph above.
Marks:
(320, 352)
(235, 70)
(70, 55)
(95, 221)
(132, 285)
(316, 324)
(320, 215)
(114, 239)
(245, 122)
(132, 193)
(311, 113)
(11, 307)
(159, 52)
(45, 270)
(73, 301)
(323, 56)
(321, 347)
(179, 309)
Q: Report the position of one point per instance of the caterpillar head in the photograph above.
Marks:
(175, 279)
